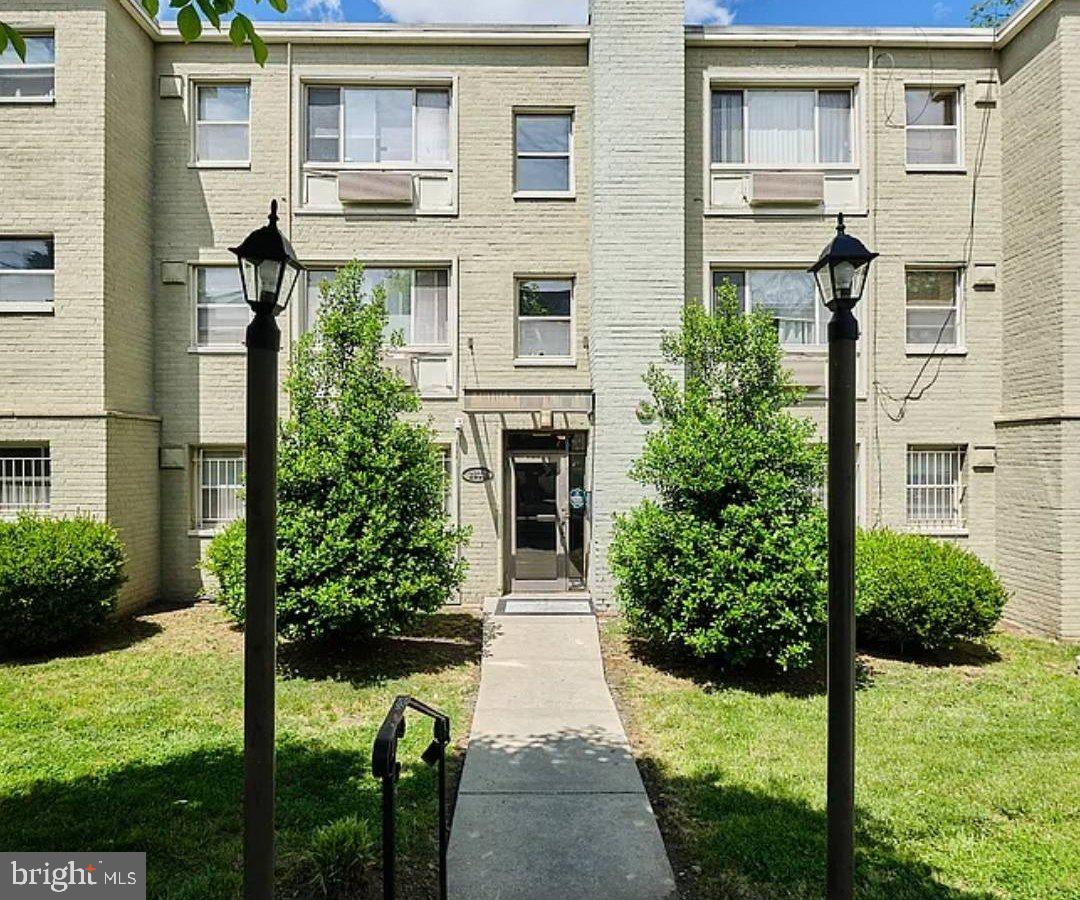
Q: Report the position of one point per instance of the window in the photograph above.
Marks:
(933, 127)
(221, 315)
(544, 323)
(774, 127)
(33, 80)
(383, 125)
(25, 479)
(542, 144)
(789, 294)
(220, 482)
(417, 301)
(26, 271)
(933, 307)
(222, 123)
(934, 487)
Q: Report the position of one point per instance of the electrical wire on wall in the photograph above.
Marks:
(895, 405)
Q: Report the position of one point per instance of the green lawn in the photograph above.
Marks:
(137, 745)
(968, 774)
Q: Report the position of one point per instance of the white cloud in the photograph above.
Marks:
(323, 10)
(521, 12)
(517, 12)
(708, 12)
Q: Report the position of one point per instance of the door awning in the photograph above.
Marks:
(515, 401)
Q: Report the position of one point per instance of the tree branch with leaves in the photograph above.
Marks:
(190, 17)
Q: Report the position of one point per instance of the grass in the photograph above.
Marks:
(136, 744)
(968, 773)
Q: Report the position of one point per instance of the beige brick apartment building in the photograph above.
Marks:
(539, 202)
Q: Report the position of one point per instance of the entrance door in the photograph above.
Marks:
(540, 486)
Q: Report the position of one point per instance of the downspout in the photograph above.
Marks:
(873, 458)
(289, 188)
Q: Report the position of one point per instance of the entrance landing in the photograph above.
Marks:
(551, 803)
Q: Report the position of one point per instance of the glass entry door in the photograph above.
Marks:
(540, 501)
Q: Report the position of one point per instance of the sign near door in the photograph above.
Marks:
(578, 498)
(477, 475)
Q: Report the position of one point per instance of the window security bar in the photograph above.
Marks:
(385, 766)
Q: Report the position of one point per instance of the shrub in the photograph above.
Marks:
(365, 546)
(59, 580)
(728, 561)
(342, 860)
(916, 592)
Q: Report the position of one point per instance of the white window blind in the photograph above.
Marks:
(25, 479)
(221, 315)
(933, 127)
(34, 79)
(933, 307)
(381, 125)
(27, 270)
(789, 294)
(417, 302)
(773, 127)
(221, 480)
(223, 123)
(934, 487)
(544, 318)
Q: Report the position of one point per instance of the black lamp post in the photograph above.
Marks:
(841, 275)
(268, 273)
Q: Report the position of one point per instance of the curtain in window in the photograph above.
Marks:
(834, 124)
(781, 127)
(727, 126)
(432, 127)
(789, 295)
(396, 285)
(431, 307)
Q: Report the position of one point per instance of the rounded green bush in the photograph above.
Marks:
(916, 592)
(225, 562)
(59, 580)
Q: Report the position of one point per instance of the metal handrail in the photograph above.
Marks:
(385, 766)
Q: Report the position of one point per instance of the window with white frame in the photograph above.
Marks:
(935, 492)
(220, 475)
(378, 126)
(788, 294)
(27, 270)
(933, 127)
(417, 302)
(542, 152)
(221, 315)
(32, 80)
(933, 307)
(223, 123)
(25, 478)
(544, 318)
(775, 127)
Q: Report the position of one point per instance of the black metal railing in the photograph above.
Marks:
(385, 766)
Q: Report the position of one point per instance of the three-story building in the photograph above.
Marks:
(538, 203)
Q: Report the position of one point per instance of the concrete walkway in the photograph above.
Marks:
(551, 805)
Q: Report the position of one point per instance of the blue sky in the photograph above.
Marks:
(928, 13)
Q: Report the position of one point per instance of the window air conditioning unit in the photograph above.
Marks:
(404, 366)
(375, 188)
(787, 188)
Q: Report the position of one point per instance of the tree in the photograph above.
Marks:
(190, 15)
(728, 559)
(365, 545)
(991, 13)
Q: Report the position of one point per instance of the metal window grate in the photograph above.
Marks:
(934, 487)
(221, 480)
(25, 479)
